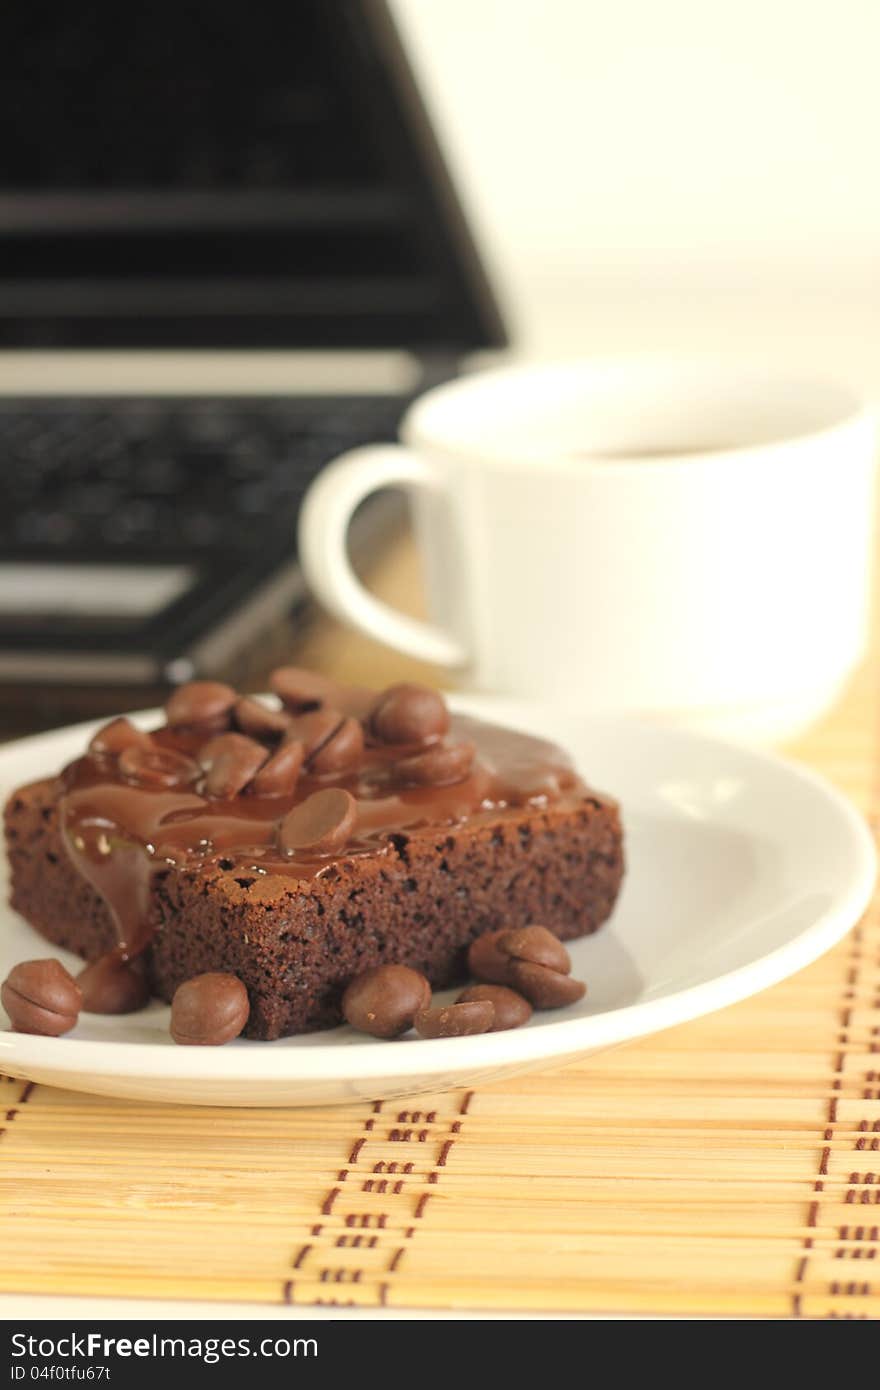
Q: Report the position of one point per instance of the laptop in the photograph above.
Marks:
(229, 250)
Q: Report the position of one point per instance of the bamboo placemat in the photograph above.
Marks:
(730, 1166)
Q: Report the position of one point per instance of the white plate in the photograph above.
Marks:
(741, 870)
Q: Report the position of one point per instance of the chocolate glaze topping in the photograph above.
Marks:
(120, 833)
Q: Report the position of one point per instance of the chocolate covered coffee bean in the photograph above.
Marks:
(539, 966)
(201, 705)
(486, 962)
(384, 1001)
(333, 741)
(456, 1020)
(512, 1010)
(41, 997)
(115, 737)
(230, 762)
(301, 690)
(279, 774)
(313, 729)
(341, 752)
(257, 720)
(409, 713)
(439, 766)
(531, 960)
(545, 988)
(209, 1010)
(150, 766)
(113, 986)
(537, 946)
(322, 824)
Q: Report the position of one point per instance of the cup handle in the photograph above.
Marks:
(323, 531)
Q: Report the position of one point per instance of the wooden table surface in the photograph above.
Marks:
(730, 1166)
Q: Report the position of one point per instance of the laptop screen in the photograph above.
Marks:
(210, 175)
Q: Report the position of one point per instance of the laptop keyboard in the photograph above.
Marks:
(166, 477)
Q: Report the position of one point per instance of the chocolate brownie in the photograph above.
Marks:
(341, 831)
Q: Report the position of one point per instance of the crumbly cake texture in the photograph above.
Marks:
(297, 845)
(295, 944)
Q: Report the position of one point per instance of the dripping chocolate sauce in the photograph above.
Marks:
(120, 836)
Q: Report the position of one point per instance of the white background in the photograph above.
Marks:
(669, 162)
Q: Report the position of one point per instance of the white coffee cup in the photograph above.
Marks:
(671, 539)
